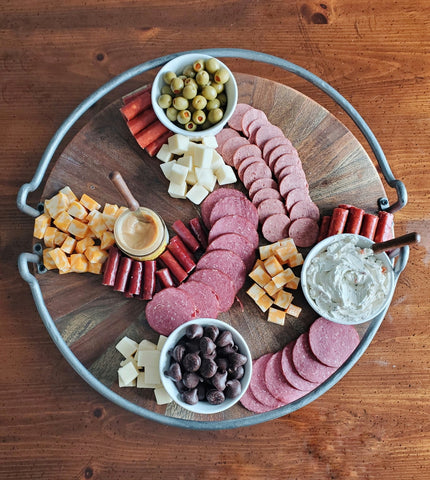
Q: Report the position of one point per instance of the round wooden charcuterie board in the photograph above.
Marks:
(92, 318)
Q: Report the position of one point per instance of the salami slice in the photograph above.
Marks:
(261, 183)
(286, 160)
(220, 283)
(245, 151)
(258, 383)
(226, 262)
(234, 224)
(273, 143)
(269, 207)
(264, 194)
(290, 372)
(307, 365)
(245, 163)
(209, 202)
(234, 206)
(249, 116)
(249, 401)
(169, 309)
(254, 171)
(223, 136)
(292, 181)
(304, 232)
(332, 343)
(265, 133)
(295, 195)
(230, 146)
(304, 209)
(236, 243)
(235, 121)
(204, 298)
(276, 383)
(277, 152)
(275, 227)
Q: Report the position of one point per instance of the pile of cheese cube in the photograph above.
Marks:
(76, 233)
(193, 169)
(140, 367)
(272, 273)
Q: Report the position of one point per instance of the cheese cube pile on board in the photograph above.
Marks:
(140, 367)
(76, 233)
(272, 274)
(193, 169)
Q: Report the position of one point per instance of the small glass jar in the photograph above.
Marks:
(141, 234)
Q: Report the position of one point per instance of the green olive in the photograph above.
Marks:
(177, 84)
(219, 87)
(190, 81)
(168, 77)
(189, 92)
(199, 117)
(212, 104)
(212, 65)
(180, 103)
(189, 72)
(202, 78)
(166, 90)
(190, 126)
(206, 125)
(222, 97)
(172, 114)
(221, 75)
(199, 102)
(214, 116)
(165, 101)
(198, 65)
(209, 92)
(184, 116)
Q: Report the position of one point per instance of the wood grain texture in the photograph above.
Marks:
(374, 423)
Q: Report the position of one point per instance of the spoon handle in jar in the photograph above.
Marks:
(407, 239)
(123, 189)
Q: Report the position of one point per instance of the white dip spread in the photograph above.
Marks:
(347, 282)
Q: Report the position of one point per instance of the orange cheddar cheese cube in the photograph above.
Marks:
(68, 245)
(107, 240)
(63, 221)
(110, 209)
(264, 302)
(260, 276)
(78, 228)
(83, 244)
(69, 193)
(120, 211)
(295, 260)
(49, 237)
(283, 277)
(266, 251)
(95, 254)
(60, 259)
(271, 288)
(77, 210)
(293, 310)
(95, 268)
(109, 221)
(255, 292)
(48, 262)
(78, 263)
(276, 316)
(96, 224)
(41, 223)
(56, 205)
(294, 283)
(283, 299)
(285, 251)
(272, 266)
(89, 203)
(258, 263)
(59, 238)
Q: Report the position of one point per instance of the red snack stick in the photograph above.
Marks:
(129, 97)
(135, 278)
(199, 232)
(325, 225)
(354, 221)
(128, 295)
(345, 206)
(136, 106)
(111, 267)
(165, 278)
(338, 221)
(185, 235)
(368, 225)
(153, 148)
(150, 133)
(178, 249)
(173, 265)
(123, 274)
(137, 124)
(384, 228)
(148, 287)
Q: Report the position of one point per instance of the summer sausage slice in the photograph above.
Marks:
(292, 181)
(275, 227)
(287, 160)
(223, 136)
(254, 126)
(254, 171)
(295, 195)
(221, 284)
(204, 298)
(259, 184)
(169, 309)
(332, 343)
(234, 224)
(236, 119)
(290, 169)
(304, 209)
(265, 133)
(236, 243)
(234, 206)
(264, 194)
(230, 146)
(245, 163)
(277, 152)
(249, 116)
(304, 232)
(269, 207)
(258, 383)
(290, 372)
(245, 151)
(209, 202)
(273, 143)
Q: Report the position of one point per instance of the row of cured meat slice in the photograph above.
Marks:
(220, 273)
(285, 376)
(270, 169)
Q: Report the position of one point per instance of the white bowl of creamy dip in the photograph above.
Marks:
(345, 282)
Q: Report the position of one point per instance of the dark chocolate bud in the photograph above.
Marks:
(174, 372)
(201, 391)
(212, 355)
(193, 345)
(236, 373)
(225, 351)
(190, 396)
(178, 353)
(214, 397)
(208, 368)
(194, 331)
(207, 346)
(211, 331)
(225, 338)
(236, 360)
(190, 380)
(219, 380)
(191, 362)
(222, 363)
(233, 388)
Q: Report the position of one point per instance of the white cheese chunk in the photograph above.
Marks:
(210, 141)
(142, 383)
(177, 190)
(191, 177)
(167, 168)
(147, 345)
(206, 178)
(197, 193)
(186, 161)
(202, 156)
(148, 358)
(178, 173)
(225, 175)
(127, 347)
(152, 375)
(161, 341)
(121, 384)
(164, 154)
(128, 373)
(161, 396)
(217, 160)
(178, 144)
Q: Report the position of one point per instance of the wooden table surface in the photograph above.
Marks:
(375, 422)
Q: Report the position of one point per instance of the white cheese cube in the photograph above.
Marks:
(191, 146)
(128, 373)
(128, 360)
(147, 345)
(164, 154)
(148, 358)
(121, 384)
(206, 178)
(217, 161)
(202, 156)
(191, 177)
(127, 347)
(197, 193)
(177, 190)
(225, 175)
(210, 141)
(142, 383)
(186, 161)
(152, 375)
(178, 173)
(161, 396)
(167, 168)
(178, 144)
(161, 341)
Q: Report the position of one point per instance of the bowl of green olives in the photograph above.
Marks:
(194, 95)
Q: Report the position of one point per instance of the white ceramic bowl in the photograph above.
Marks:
(177, 65)
(203, 406)
(361, 242)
